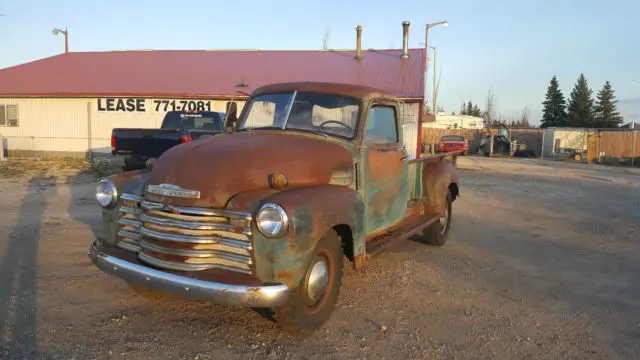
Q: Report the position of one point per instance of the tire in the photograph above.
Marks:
(438, 232)
(300, 314)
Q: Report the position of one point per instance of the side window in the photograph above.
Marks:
(8, 115)
(381, 125)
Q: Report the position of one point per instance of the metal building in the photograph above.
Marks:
(565, 141)
(67, 105)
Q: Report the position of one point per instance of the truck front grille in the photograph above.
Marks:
(185, 238)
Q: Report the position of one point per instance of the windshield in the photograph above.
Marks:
(321, 113)
(452, 138)
(197, 121)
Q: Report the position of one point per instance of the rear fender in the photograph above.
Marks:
(436, 179)
(313, 212)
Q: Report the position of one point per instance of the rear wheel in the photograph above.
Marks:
(438, 232)
(310, 305)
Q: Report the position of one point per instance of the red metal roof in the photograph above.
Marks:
(199, 73)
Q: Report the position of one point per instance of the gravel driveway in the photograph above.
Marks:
(543, 262)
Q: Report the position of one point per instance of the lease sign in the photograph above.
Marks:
(156, 105)
(122, 104)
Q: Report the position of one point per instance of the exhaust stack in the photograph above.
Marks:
(405, 39)
(358, 42)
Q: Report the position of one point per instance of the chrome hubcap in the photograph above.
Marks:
(318, 280)
(443, 221)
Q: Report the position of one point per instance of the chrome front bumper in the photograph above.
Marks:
(223, 294)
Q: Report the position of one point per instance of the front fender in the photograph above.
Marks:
(313, 212)
(436, 178)
(131, 182)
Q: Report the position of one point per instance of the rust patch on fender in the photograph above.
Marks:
(286, 276)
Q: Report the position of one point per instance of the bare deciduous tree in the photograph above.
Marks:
(325, 38)
(490, 105)
(524, 117)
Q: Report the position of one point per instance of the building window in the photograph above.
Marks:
(8, 115)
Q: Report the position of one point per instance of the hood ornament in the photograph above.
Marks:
(173, 191)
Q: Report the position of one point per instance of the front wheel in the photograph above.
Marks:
(310, 305)
(438, 232)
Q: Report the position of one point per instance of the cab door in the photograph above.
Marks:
(386, 168)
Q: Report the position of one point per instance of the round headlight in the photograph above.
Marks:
(272, 220)
(106, 193)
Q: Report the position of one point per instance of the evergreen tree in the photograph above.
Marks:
(554, 111)
(469, 110)
(606, 113)
(463, 109)
(580, 109)
(476, 111)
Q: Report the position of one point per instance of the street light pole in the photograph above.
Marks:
(65, 32)
(424, 90)
(435, 84)
(426, 56)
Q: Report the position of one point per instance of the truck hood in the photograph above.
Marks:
(223, 166)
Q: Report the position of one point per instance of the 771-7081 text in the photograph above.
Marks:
(182, 105)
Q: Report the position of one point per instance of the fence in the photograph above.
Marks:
(621, 147)
(527, 138)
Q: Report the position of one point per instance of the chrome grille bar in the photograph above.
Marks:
(192, 225)
(185, 238)
(150, 205)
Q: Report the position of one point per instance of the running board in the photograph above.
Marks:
(392, 238)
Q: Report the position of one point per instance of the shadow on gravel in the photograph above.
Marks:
(83, 206)
(19, 276)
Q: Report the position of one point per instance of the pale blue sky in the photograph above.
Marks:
(513, 46)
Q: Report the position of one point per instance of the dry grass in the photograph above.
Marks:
(21, 168)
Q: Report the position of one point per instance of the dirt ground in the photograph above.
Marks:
(542, 263)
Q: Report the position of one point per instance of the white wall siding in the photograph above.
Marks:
(410, 113)
(47, 125)
(63, 124)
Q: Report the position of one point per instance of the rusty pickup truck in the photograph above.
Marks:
(263, 217)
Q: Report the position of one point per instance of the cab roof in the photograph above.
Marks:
(357, 91)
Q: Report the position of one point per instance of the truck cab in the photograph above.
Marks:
(263, 217)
